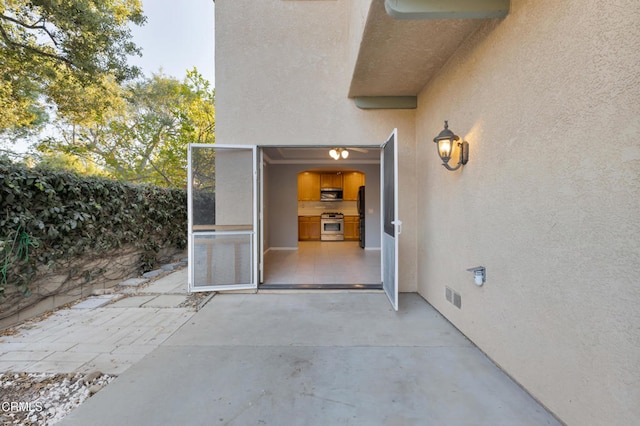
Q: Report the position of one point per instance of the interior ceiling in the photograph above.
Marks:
(398, 57)
(320, 156)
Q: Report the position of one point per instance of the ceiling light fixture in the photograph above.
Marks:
(337, 153)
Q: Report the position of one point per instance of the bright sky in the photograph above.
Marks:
(178, 35)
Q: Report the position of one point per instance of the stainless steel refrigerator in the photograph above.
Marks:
(361, 212)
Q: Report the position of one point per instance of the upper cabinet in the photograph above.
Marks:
(331, 180)
(308, 186)
(352, 181)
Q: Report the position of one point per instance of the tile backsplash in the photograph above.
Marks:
(316, 208)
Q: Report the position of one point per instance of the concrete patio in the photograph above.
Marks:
(313, 359)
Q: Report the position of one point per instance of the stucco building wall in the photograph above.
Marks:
(549, 100)
(283, 70)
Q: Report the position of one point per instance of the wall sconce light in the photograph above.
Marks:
(337, 153)
(479, 275)
(445, 141)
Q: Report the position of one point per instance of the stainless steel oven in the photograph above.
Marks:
(332, 227)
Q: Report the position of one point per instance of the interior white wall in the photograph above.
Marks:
(549, 100)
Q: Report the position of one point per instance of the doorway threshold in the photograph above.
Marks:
(320, 287)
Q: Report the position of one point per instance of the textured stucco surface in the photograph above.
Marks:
(398, 57)
(283, 70)
(549, 100)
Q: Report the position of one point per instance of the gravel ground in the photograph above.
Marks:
(44, 398)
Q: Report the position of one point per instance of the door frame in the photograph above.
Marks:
(379, 165)
(389, 207)
(253, 232)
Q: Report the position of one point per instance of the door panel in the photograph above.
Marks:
(390, 222)
(222, 201)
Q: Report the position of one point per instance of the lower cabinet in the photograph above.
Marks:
(308, 228)
(351, 228)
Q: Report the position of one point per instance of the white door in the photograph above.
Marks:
(391, 225)
(222, 213)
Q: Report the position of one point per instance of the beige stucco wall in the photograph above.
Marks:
(283, 70)
(549, 100)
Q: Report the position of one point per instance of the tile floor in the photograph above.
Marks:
(323, 262)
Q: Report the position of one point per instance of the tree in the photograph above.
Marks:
(68, 162)
(50, 49)
(144, 140)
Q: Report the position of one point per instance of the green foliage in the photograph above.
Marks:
(67, 162)
(145, 138)
(52, 48)
(48, 217)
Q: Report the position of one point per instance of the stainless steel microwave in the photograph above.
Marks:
(331, 194)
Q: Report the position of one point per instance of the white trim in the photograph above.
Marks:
(282, 248)
(265, 156)
(189, 222)
(256, 235)
(389, 253)
(328, 161)
(259, 204)
(323, 162)
(220, 145)
(253, 233)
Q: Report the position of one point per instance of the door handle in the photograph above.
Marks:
(398, 224)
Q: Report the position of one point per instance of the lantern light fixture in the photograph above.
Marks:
(446, 142)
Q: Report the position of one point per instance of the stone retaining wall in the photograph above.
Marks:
(85, 276)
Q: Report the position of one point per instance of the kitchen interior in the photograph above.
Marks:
(334, 239)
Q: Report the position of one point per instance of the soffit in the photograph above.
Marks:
(397, 57)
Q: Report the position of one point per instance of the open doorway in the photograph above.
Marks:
(296, 252)
(234, 198)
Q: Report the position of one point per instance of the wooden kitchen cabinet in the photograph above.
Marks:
(310, 183)
(308, 228)
(308, 186)
(351, 228)
(331, 180)
(352, 181)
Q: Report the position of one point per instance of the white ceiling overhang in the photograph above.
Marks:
(405, 42)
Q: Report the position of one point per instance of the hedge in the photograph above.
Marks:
(48, 217)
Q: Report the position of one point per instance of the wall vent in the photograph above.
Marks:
(453, 297)
(457, 300)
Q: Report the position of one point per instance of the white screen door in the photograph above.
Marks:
(391, 225)
(222, 212)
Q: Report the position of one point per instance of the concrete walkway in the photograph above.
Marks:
(312, 359)
(106, 333)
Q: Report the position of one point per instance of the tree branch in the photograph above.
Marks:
(39, 25)
(14, 44)
(23, 24)
(164, 176)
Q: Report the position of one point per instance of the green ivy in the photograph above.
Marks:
(48, 217)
